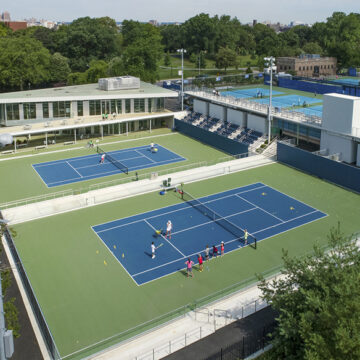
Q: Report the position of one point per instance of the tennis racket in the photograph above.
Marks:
(159, 245)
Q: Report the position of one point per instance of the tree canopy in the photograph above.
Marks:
(137, 48)
(318, 302)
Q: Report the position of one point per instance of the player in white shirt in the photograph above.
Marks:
(102, 159)
(153, 248)
(168, 229)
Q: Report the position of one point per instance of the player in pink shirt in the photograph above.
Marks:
(189, 265)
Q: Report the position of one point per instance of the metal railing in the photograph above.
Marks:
(213, 321)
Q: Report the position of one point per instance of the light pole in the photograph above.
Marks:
(269, 61)
(182, 51)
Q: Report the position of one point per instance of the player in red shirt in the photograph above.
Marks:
(215, 251)
(200, 260)
(222, 248)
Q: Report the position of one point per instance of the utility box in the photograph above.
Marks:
(8, 343)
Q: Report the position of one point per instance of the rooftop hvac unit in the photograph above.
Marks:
(119, 83)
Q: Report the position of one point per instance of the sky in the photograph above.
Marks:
(283, 11)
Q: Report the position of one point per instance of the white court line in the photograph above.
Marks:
(74, 169)
(102, 174)
(146, 157)
(259, 208)
(164, 238)
(172, 211)
(108, 162)
(231, 241)
(287, 221)
(214, 221)
(114, 256)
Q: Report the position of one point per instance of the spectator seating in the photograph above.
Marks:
(244, 135)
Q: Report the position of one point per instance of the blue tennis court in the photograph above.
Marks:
(290, 100)
(67, 171)
(262, 210)
(249, 93)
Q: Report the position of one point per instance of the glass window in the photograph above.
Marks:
(139, 105)
(127, 105)
(2, 114)
(61, 109)
(113, 106)
(12, 112)
(160, 104)
(119, 106)
(45, 107)
(29, 111)
(95, 107)
(80, 108)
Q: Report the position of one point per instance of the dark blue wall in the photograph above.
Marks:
(336, 172)
(318, 87)
(352, 71)
(309, 86)
(220, 142)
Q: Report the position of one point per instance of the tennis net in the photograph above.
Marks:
(220, 220)
(115, 162)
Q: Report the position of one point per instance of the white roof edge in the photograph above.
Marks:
(86, 98)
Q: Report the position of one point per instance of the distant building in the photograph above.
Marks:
(307, 65)
(254, 22)
(5, 16)
(153, 22)
(16, 25)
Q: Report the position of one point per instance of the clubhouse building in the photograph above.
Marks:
(112, 106)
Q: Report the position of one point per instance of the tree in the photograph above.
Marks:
(225, 58)
(23, 61)
(318, 302)
(312, 48)
(116, 67)
(59, 68)
(98, 69)
(142, 51)
(167, 59)
(4, 30)
(87, 39)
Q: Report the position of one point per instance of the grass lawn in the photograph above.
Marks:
(22, 181)
(86, 295)
(175, 66)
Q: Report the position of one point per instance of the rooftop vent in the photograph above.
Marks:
(119, 83)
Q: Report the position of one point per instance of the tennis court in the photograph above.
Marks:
(249, 93)
(290, 100)
(66, 171)
(261, 209)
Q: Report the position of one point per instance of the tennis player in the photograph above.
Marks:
(189, 265)
(207, 253)
(169, 227)
(152, 147)
(222, 248)
(153, 249)
(102, 159)
(200, 260)
(214, 251)
(246, 234)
